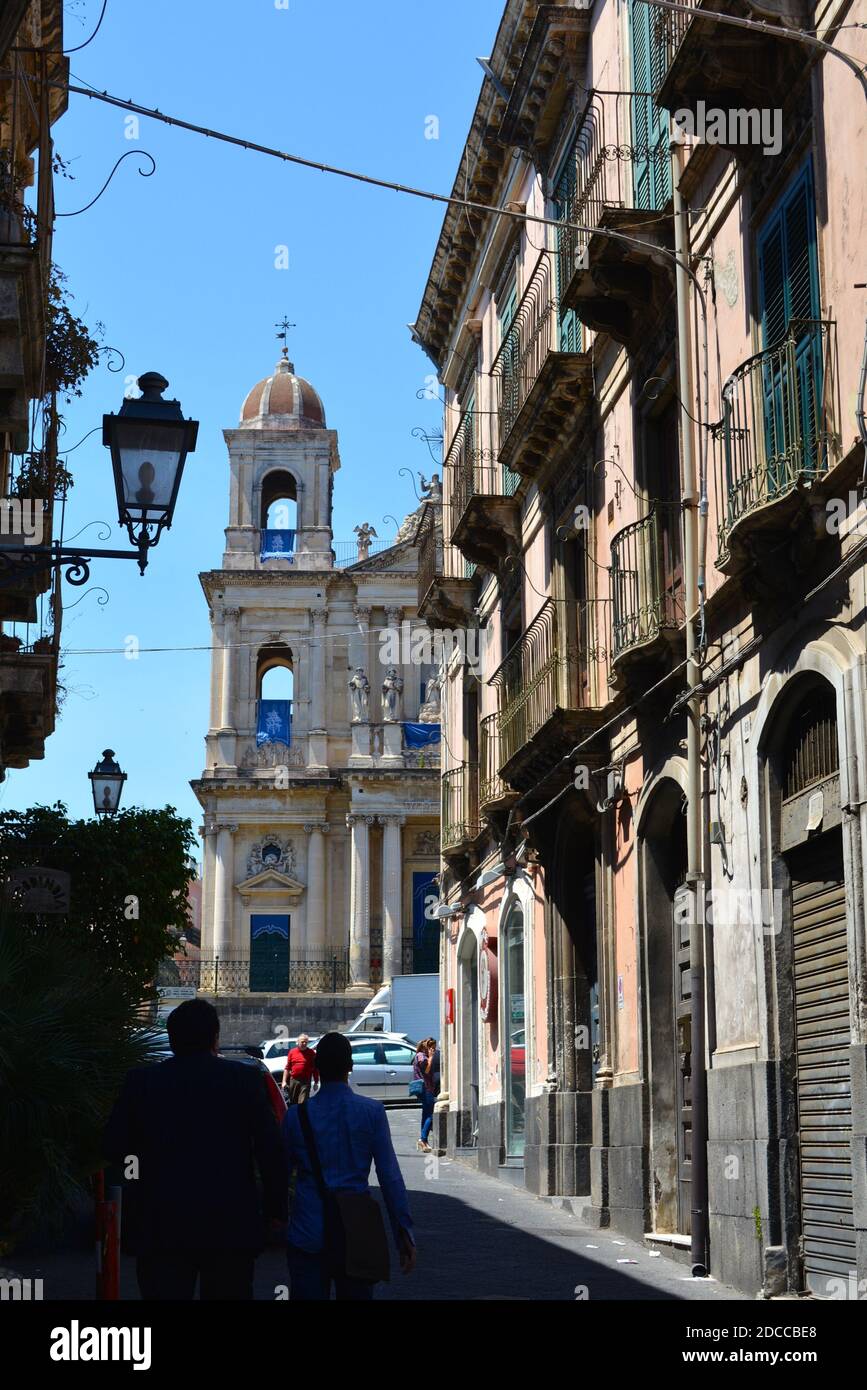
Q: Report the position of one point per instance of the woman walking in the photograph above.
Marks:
(431, 1078)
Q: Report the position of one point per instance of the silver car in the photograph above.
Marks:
(382, 1068)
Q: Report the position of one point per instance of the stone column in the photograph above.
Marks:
(209, 837)
(361, 637)
(317, 690)
(314, 938)
(224, 874)
(359, 902)
(227, 686)
(392, 891)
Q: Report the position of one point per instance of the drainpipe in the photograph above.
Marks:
(695, 874)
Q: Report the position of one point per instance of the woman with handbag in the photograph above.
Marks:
(431, 1078)
(417, 1088)
(336, 1233)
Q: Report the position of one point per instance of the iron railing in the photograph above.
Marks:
(491, 785)
(472, 471)
(214, 975)
(668, 28)
(346, 552)
(619, 158)
(536, 330)
(777, 423)
(436, 559)
(646, 578)
(459, 822)
(547, 670)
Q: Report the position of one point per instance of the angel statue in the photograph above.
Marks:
(431, 491)
(365, 534)
(392, 690)
(359, 690)
(431, 710)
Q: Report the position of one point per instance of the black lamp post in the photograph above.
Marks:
(149, 441)
(106, 782)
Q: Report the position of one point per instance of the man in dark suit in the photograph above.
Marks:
(189, 1134)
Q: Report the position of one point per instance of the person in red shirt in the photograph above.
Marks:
(300, 1071)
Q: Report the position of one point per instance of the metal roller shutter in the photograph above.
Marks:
(822, 1039)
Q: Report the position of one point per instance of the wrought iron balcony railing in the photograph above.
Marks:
(537, 330)
(472, 471)
(646, 578)
(777, 427)
(618, 159)
(460, 806)
(668, 28)
(491, 785)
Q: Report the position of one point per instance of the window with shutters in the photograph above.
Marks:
(569, 247)
(651, 169)
(789, 309)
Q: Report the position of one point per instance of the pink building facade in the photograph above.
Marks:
(652, 352)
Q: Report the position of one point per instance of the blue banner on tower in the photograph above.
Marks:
(277, 545)
(275, 722)
(421, 735)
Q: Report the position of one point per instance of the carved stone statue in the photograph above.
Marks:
(359, 691)
(365, 534)
(431, 710)
(392, 694)
(431, 491)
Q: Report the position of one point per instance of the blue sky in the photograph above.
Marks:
(180, 268)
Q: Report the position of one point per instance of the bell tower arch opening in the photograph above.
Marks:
(278, 514)
(275, 693)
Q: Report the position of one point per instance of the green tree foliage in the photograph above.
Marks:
(129, 873)
(71, 992)
(68, 1035)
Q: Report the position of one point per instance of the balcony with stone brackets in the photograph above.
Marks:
(544, 380)
(707, 64)
(647, 595)
(553, 59)
(616, 180)
(774, 451)
(28, 697)
(481, 500)
(446, 587)
(551, 691)
(460, 823)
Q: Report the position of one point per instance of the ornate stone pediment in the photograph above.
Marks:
(270, 883)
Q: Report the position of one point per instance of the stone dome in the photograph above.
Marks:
(283, 401)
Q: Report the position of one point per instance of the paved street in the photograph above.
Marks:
(483, 1239)
(478, 1239)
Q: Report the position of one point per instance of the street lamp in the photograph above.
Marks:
(106, 782)
(149, 441)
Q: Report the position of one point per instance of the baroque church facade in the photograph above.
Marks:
(320, 789)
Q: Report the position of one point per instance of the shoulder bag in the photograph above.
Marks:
(356, 1243)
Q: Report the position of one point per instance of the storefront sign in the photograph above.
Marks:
(488, 978)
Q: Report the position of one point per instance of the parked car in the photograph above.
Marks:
(382, 1068)
(274, 1054)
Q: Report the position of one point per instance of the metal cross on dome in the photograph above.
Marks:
(283, 333)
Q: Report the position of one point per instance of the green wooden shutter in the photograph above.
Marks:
(789, 291)
(651, 171)
(570, 339)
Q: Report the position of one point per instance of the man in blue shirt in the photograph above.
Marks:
(351, 1132)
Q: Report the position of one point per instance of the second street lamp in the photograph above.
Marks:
(106, 782)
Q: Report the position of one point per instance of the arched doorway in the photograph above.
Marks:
(667, 1021)
(812, 967)
(468, 959)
